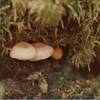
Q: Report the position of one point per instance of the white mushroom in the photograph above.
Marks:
(23, 51)
(43, 51)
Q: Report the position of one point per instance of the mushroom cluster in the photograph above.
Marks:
(35, 52)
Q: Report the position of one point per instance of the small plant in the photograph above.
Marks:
(2, 90)
(85, 50)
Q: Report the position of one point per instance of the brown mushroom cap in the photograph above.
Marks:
(23, 51)
(58, 53)
(43, 51)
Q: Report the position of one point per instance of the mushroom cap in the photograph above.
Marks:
(43, 51)
(23, 51)
(58, 53)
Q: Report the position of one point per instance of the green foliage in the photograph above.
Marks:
(49, 11)
(2, 90)
(79, 88)
(86, 12)
(88, 41)
(95, 87)
(58, 82)
(5, 17)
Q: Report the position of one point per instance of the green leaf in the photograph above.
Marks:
(2, 90)
(43, 85)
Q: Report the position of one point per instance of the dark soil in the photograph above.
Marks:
(14, 74)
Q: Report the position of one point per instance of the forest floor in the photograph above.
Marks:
(47, 79)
